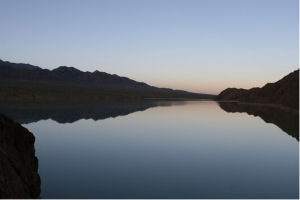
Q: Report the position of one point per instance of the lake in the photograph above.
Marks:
(163, 149)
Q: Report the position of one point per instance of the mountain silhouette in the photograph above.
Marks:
(284, 92)
(25, 82)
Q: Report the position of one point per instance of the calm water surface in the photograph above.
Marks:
(193, 149)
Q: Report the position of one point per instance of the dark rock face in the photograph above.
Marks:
(284, 92)
(18, 165)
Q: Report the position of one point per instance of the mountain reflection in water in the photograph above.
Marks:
(286, 120)
(70, 112)
(195, 150)
(65, 112)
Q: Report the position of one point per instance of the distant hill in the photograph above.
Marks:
(25, 82)
(66, 74)
(284, 92)
(18, 65)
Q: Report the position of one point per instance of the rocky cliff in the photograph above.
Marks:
(19, 176)
(284, 92)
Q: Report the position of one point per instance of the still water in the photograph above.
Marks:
(191, 149)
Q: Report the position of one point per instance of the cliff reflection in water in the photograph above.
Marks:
(286, 120)
(63, 112)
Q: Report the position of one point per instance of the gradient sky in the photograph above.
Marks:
(195, 45)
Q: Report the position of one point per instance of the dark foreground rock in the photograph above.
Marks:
(284, 92)
(19, 176)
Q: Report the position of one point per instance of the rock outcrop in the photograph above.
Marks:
(284, 92)
(19, 176)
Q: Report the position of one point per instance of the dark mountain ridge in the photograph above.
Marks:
(25, 82)
(63, 73)
(284, 92)
(18, 65)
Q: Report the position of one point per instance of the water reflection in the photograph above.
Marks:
(286, 120)
(70, 112)
(191, 151)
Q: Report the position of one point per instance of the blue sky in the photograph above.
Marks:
(196, 45)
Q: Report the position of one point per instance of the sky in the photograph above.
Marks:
(196, 45)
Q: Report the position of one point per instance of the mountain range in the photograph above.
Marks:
(25, 82)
